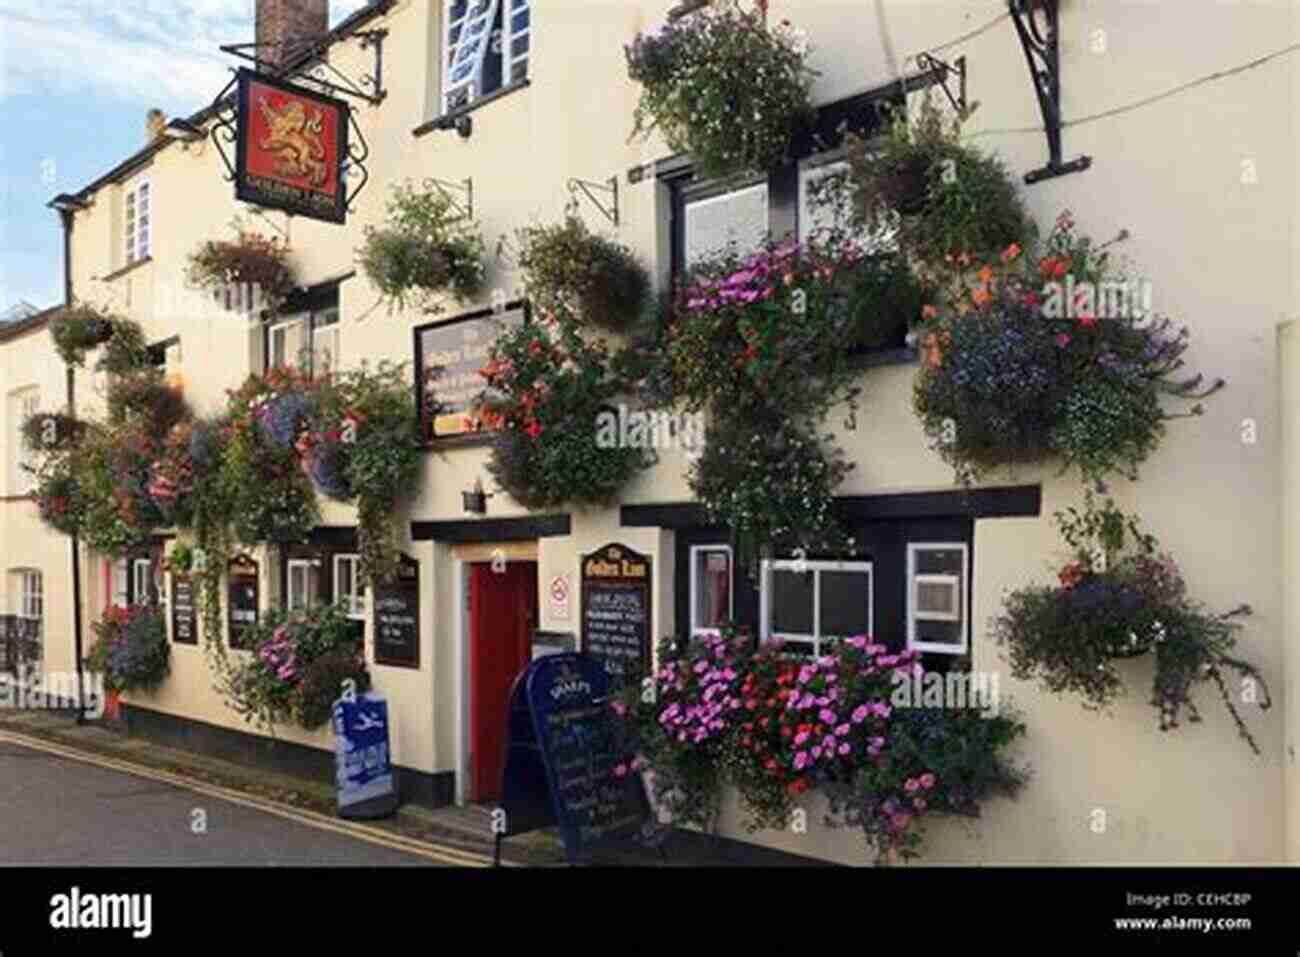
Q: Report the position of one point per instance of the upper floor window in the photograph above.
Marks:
(487, 43)
(30, 594)
(136, 227)
(308, 337)
(22, 405)
(808, 603)
(303, 583)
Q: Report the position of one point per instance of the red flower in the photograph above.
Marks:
(534, 429)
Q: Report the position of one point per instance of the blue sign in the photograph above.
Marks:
(364, 772)
(593, 802)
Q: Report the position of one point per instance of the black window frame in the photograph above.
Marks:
(309, 303)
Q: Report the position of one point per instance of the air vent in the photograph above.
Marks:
(937, 598)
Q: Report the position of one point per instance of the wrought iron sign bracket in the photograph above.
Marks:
(354, 166)
(224, 129)
(1038, 25)
(320, 71)
(928, 63)
(467, 187)
(610, 186)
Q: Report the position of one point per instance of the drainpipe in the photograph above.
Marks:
(66, 215)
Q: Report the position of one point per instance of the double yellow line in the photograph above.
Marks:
(437, 853)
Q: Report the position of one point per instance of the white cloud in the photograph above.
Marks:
(160, 52)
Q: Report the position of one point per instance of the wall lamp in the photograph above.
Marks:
(183, 131)
(475, 500)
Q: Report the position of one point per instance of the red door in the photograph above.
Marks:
(502, 611)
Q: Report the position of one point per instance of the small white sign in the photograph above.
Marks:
(559, 593)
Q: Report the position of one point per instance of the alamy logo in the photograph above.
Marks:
(77, 911)
(1088, 300)
(650, 430)
(56, 690)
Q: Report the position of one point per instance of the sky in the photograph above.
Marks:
(76, 80)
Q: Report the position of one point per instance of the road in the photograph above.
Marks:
(56, 811)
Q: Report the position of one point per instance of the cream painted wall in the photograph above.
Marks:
(1220, 254)
(1289, 347)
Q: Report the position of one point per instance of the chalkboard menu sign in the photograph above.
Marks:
(397, 618)
(241, 600)
(616, 610)
(562, 737)
(449, 355)
(184, 631)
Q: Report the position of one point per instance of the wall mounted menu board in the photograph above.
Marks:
(571, 745)
(616, 610)
(241, 599)
(397, 618)
(449, 355)
(184, 631)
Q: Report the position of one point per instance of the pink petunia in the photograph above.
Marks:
(927, 780)
(620, 770)
(800, 761)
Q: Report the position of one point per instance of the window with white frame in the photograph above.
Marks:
(22, 405)
(304, 583)
(136, 226)
(808, 603)
(936, 597)
(737, 218)
(324, 326)
(348, 586)
(281, 341)
(31, 594)
(142, 581)
(711, 597)
(487, 45)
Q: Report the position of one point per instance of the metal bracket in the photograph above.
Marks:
(320, 69)
(224, 130)
(466, 187)
(358, 153)
(929, 63)
(610, 186)
(1038, 25)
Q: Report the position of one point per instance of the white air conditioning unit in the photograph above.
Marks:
(936, 597)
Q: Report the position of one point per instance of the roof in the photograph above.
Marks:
(15, 328)
(138, 159)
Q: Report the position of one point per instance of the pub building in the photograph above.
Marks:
(486, 586)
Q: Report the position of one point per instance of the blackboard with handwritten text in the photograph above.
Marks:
(616, 610)
(184, 631)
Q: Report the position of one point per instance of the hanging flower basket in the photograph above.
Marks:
(946, 197)
(50, 432)
(78, 328)
(424, 250)
(567, 267)
(1120, 598)
(1012, 374)
(132, 651)
(251, 259)
(723, 87)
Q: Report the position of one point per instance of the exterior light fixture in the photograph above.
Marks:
(184, 131)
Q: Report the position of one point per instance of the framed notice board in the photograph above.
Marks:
(616, 622)
(397, 617)
(184, 631)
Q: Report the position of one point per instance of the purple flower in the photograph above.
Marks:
(800, 761)
(828, 716)
(859, 714)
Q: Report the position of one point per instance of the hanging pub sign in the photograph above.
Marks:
(241, 599)
(291, 147)
(616, 610)
(184, 631)
(397, 617)
(449, 355)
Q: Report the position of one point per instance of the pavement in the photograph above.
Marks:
(91, 794)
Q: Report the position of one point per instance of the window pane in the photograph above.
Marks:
(712, 588)
(845, 604)
(518, 71)
(792, 602)
(519, 22)
(519, 46)
(738, 217)
(939, 598)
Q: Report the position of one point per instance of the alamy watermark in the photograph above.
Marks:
(956, 689)
(1104, 300)
(29, 689)
(644, 429)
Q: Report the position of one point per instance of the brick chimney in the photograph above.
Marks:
(285, 28)
(155, 121)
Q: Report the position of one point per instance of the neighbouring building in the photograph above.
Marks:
(550, 102)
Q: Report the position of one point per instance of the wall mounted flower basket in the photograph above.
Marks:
(78, 328)
(1117, 600)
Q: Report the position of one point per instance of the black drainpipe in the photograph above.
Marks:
(66, 215)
